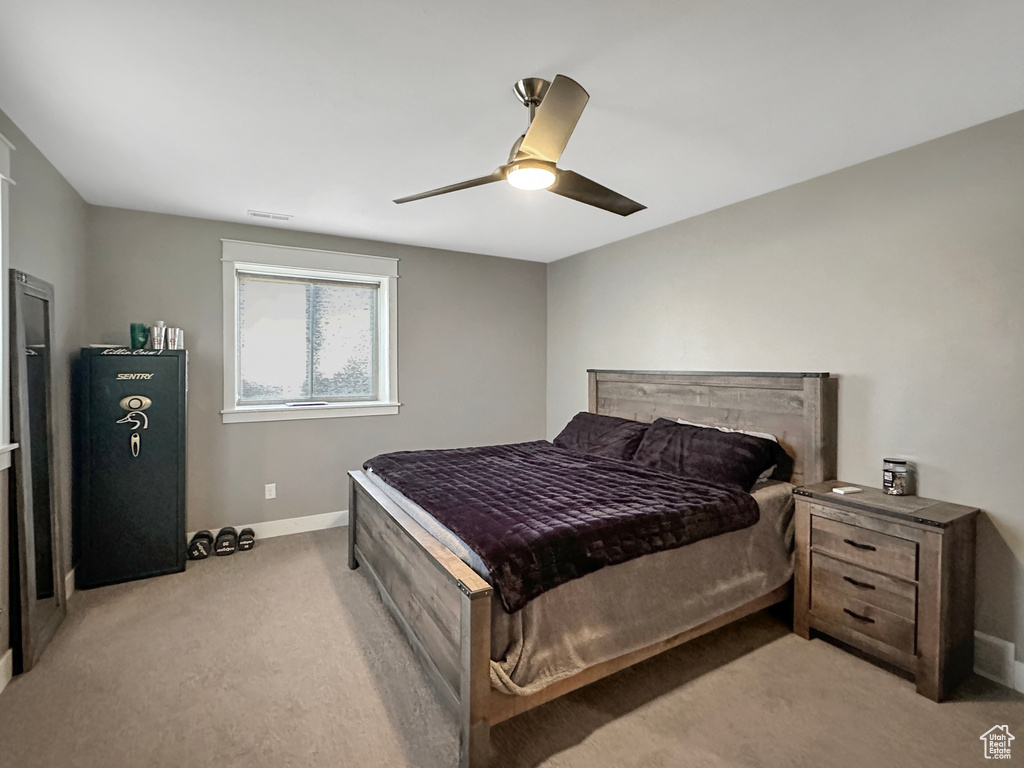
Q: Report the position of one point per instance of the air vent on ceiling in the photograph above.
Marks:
(267, 215)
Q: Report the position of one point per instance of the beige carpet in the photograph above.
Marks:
(283, 657)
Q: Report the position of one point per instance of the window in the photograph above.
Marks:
(306, 339)
(308, 334)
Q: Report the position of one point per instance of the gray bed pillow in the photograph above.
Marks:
(703, 453)
(606, 436)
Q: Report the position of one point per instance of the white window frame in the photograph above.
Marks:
(261, 258)
(6, 182)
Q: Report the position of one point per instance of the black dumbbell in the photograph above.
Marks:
(227, 541)
(200, 546)
(246, 539)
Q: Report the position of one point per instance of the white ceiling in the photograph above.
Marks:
(328, 109)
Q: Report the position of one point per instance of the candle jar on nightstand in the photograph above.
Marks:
(898, 477)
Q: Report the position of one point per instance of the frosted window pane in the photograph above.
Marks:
(273, 344)
(303, 339)
(344, 341)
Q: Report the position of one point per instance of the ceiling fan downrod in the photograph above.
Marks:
(531, 91)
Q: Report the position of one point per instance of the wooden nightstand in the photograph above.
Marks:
(890, 575)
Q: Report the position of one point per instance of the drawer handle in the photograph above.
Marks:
(865, 547)
(858, 617)
(860, 584)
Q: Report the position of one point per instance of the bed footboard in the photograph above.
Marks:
(441, 605)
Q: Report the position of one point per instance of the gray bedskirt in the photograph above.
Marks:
(625, 607)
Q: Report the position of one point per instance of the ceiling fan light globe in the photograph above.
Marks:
(530, 176)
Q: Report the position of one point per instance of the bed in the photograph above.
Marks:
(487, 665)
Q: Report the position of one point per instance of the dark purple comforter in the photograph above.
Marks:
(539, 516)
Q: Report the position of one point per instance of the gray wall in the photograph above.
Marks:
(471, 340)
(904, 275)
(48, 240)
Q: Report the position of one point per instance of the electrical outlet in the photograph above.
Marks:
(271, 490)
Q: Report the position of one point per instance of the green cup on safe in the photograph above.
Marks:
(140, 335)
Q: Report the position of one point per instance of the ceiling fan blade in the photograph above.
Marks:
(498, 175)
(555, 120)
(583, 190)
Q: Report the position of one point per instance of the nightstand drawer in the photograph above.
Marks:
(893, 630)
(878, 551)
(885, 592)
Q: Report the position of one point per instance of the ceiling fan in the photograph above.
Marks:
(555, 108)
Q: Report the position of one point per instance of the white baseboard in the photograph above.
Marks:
(69, 584)
(290, 525)
(6, 668)
(995, 659)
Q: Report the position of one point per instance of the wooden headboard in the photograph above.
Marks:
(800, 409)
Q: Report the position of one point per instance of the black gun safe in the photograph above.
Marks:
(131, 464)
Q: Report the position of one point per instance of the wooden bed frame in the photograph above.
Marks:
(444, 608)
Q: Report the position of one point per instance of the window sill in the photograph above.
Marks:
(284, 413)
